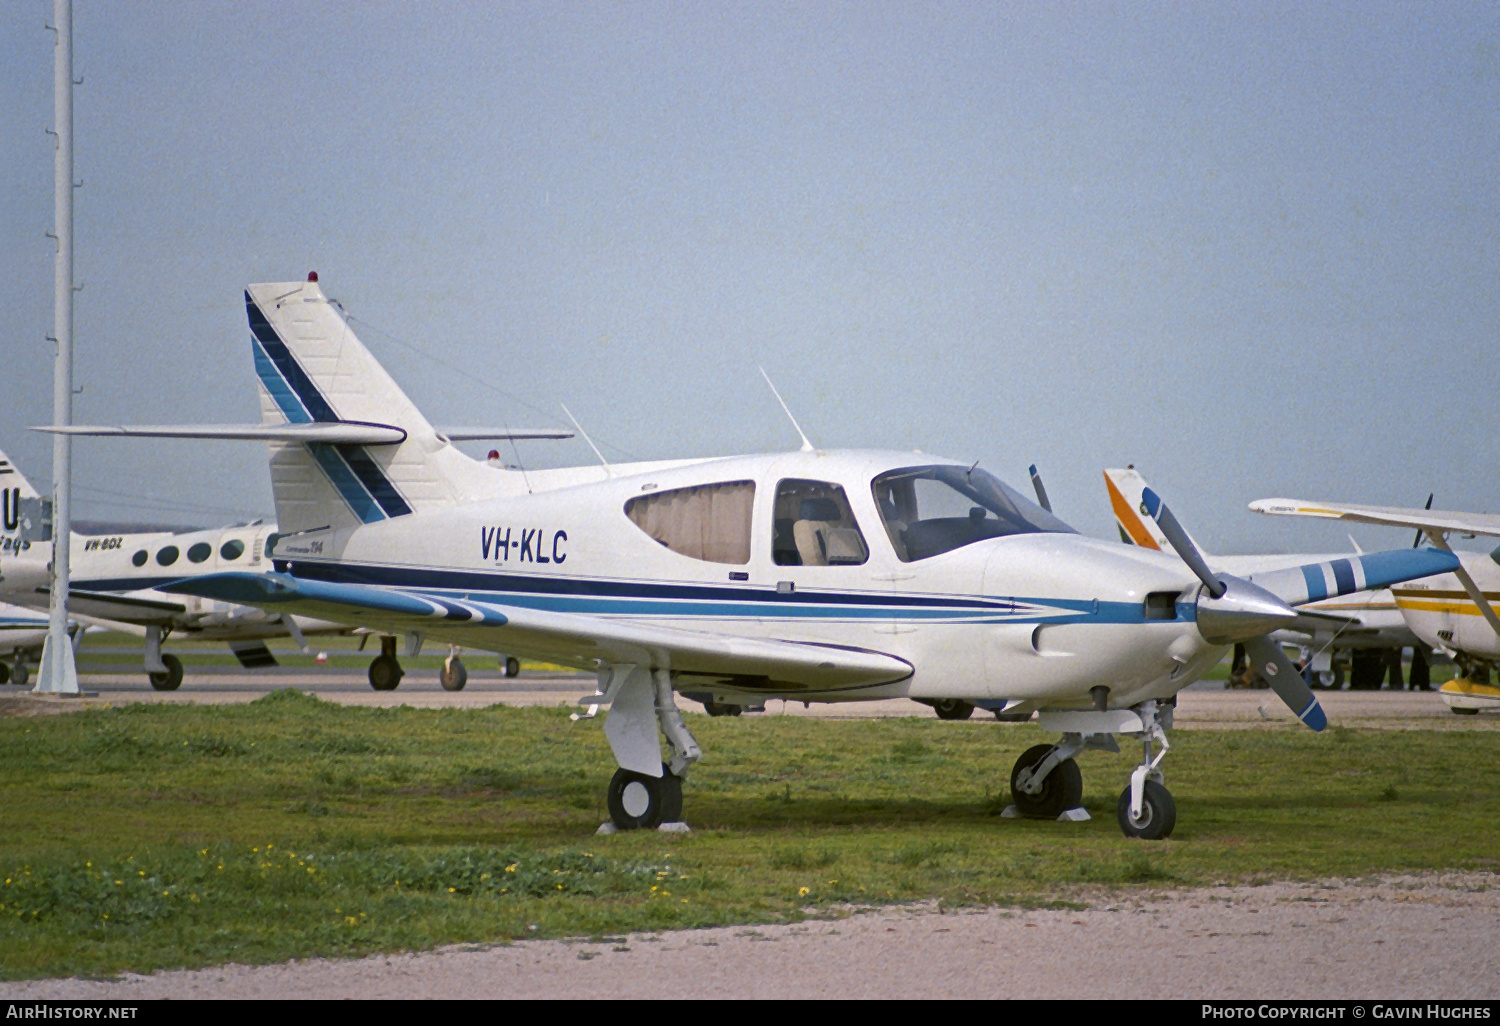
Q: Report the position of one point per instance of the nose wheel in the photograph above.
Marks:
(1157, 815)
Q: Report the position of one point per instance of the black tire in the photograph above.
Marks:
(953, 709)
(1061, 791)
(512, 666)
(1012, 717)
(722, 708)
(4, 674)
(639, 802)
(1463, 712)
(385, 673)
(1158, 813)
(453, 676)
(20, 675)
(172, 679)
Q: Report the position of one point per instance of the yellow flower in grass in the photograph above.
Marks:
(802, 892)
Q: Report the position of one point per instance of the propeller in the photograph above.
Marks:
(1233, 610)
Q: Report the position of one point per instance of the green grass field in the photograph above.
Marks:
(177, 835)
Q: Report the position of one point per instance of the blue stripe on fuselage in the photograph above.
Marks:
(629, 598)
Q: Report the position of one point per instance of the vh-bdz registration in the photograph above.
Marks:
(827, 576)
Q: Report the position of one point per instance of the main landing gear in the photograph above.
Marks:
(1047, 784)
(646, 793)
(385, 669)
(163, 671)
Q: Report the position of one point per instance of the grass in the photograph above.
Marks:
(179, 835)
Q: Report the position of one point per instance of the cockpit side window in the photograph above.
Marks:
(931, 510)
(708, 522)
(814, 526)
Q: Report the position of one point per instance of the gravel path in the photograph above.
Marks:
(1426, 937)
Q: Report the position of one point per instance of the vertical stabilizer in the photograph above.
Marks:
(1126, 487)
(313, 369)
(24, 515)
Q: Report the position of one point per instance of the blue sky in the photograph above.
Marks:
(1252, 248)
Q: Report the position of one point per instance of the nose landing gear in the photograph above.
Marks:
(1047, 784)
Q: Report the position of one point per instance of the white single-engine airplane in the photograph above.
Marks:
(1454, 612)
(814, 575)
(1365, 624)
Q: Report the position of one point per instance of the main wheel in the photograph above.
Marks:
(1158, 813)
(1460, 711)
(512, 666)
(722, 709)
(4, 674)
(639, 802)
(453, 676)
(170, 680)
(1061, 791)
(953, 709)
(385, 673)
(20, 675)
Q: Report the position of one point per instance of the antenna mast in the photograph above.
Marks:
(806, 445)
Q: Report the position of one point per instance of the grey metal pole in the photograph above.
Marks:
(58, 674)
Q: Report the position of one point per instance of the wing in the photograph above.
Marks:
(126, 609)
(1389, 516)
(566, 638)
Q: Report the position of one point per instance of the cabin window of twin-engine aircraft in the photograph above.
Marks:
(139, 559)
(931, 510)
(814, 526)
(167, 556)
(709, 522)
(201, 551)
(232, 549)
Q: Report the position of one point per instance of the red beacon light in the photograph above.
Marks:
(312, 276)
(494, 454)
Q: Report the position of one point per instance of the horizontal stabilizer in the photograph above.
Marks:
(479, 434)
(335, 432)
(567, 638)
(1387, 516)
(1333, 577)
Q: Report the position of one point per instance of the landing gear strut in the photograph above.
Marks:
(163, 671)
(645, 792)
(1146, 809)
(385, 670)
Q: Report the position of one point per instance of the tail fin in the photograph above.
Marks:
(24, 515)
(1126, 488)
(312, 369)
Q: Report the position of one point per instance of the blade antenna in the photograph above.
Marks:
(1041, 492)
(806, 445)
(608, 471)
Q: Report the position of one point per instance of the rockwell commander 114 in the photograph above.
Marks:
(817, 576)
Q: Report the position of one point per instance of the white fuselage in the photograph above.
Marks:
(1442, 614)
(130, 566)
(1040, 616)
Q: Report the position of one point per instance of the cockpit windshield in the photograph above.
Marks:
(931, 510)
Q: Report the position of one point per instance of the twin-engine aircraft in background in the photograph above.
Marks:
(1455, 611)
(115, 585)
(814, 575)
(1365, 624)
(115, 577)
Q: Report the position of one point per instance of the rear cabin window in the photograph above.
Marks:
(707, 522)
(814, 526)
